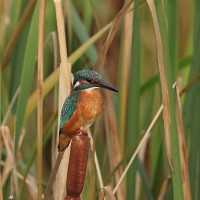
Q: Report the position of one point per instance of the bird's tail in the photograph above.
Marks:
(63, 142)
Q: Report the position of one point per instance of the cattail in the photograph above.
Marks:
(77, 166)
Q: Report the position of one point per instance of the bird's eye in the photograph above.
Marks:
(89, 80)
(92, 81)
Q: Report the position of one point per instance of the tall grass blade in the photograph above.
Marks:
(16, 9)
(133, 115)
(168, 97)
(17, 60)
(4, 98)
(172, 32)
(23, 20)
(145, 182)
(10, 107)
(87, 15)
(182, 147)
(81, 32)
(163, 80)
(27, 74)
(192, 109)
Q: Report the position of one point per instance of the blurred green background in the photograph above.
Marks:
(131, 65)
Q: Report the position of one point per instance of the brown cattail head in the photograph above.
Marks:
(77, 166)
(72, 198)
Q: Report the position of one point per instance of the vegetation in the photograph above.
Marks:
(145, 144)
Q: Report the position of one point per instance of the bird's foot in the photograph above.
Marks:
(81, 131)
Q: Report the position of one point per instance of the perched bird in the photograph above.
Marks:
(82, 106)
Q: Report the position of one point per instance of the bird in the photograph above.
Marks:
(82, 106)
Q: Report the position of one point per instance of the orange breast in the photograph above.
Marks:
(88, 108)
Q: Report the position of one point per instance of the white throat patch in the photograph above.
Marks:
(77, 84)
(91, 89)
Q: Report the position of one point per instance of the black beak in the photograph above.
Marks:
(107, 86)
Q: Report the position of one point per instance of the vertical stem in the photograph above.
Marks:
(125, 70)
(99, 175)
(53, 175)
(61, 34)
(12, 184)
(64, 90)
(40, 94)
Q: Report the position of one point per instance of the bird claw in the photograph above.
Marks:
(81, 131)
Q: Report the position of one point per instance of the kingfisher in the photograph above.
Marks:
(82, 106)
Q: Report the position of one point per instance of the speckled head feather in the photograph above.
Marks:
(87, 75)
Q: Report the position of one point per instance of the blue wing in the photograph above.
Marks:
(69, 107)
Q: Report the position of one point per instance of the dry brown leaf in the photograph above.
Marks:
(10, 162)
(113, 30)
(163, 80)
(21, 139)
(107, 192)
(182, 148)
(5, 133)
(113, 143)
(164, 189)
(31, 185)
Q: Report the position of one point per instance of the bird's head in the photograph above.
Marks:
(85, 79)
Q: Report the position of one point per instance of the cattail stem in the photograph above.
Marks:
(53, 175)
(77, 166)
